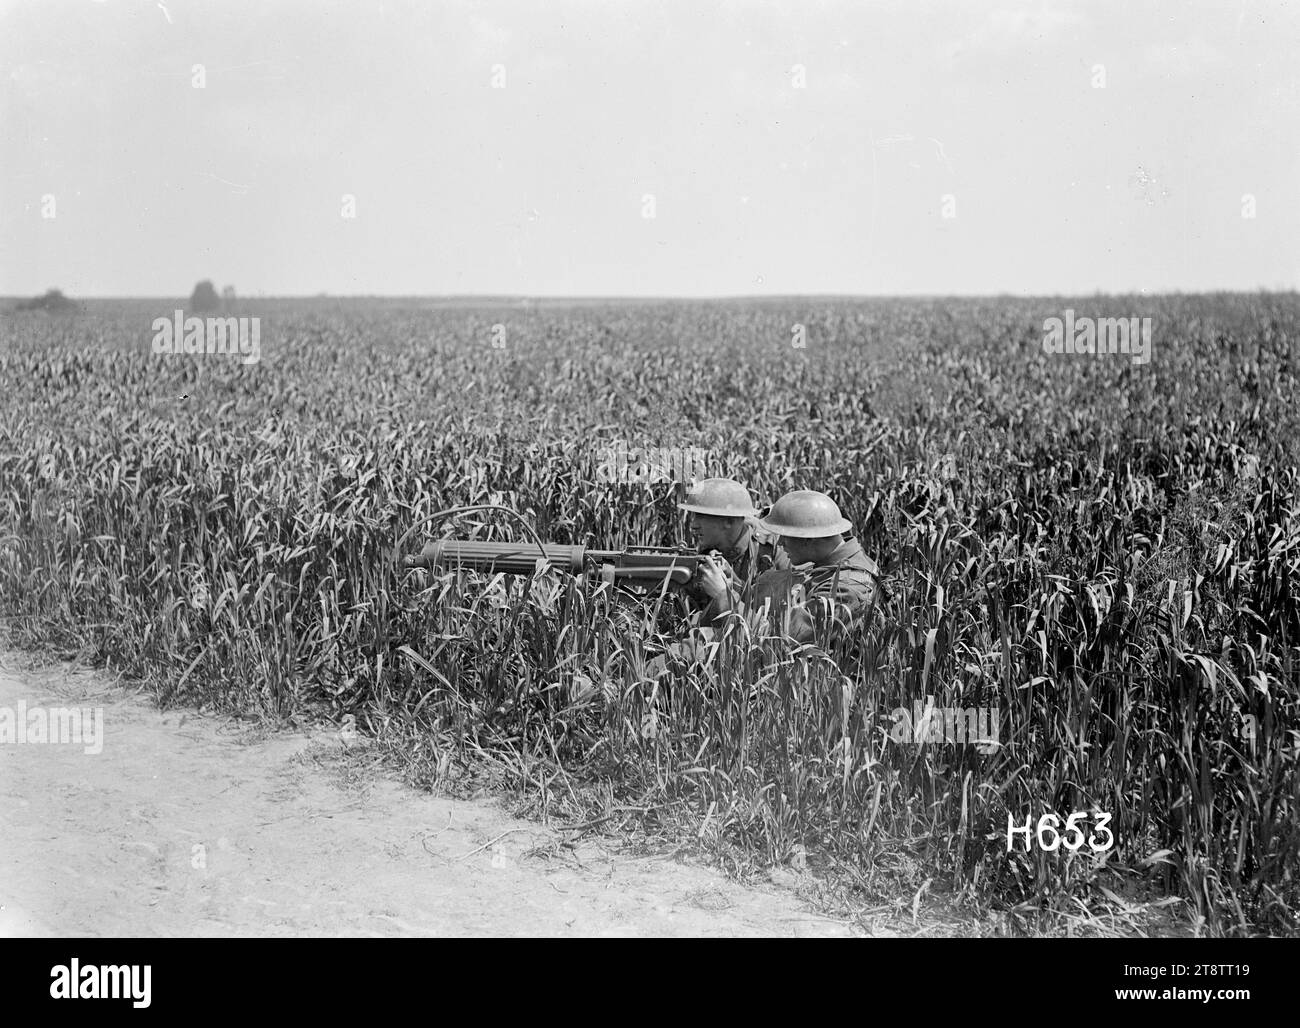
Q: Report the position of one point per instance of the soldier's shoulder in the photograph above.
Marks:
(845, 575)
(857, 559)
(855, 578)
(865, 563)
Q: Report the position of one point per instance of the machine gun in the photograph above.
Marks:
(636, 566)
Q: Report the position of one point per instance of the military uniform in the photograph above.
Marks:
(845, 585)
(755, 553)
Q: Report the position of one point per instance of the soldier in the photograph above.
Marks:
(820, 579)
(721, 519)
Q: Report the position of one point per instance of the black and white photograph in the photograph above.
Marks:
(650, 469)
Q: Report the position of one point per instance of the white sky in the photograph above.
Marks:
(759, 187)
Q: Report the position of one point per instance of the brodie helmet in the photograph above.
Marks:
(805, 514)
(721, 497)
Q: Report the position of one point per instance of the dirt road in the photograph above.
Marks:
(197, 826)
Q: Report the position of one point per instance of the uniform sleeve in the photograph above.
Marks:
(845, 600)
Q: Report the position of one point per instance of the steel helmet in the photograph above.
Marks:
(721, 497)
(805, 514)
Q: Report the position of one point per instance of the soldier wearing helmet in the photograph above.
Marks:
(821, 578)
(722, 521)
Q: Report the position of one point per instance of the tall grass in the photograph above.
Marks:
(1109, 554)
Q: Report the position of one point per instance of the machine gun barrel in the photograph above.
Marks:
(641, 564)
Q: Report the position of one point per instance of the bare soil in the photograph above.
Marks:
(189, 825)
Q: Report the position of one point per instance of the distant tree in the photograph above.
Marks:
(53, 300)
(204, 297)
(228, 295)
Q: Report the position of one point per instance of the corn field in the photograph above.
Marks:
(1107, 553)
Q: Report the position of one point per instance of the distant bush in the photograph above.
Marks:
(53, 300)
(204, 297)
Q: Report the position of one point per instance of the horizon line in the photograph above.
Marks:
(651, 298)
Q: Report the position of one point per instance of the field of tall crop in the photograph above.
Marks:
(1106, 553)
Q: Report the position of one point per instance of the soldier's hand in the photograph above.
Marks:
(713, 578)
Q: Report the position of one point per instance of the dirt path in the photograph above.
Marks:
(196, 826)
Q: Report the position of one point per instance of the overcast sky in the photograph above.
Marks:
(795, 147)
